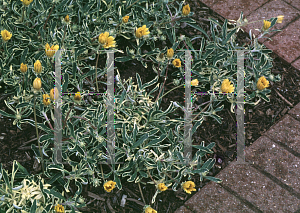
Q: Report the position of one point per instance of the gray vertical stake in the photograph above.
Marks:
(57, 111)
(110, 108)
(188, 107)
(240, 109)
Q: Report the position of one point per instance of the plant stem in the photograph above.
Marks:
(85, 120)
(141, 193)
(102, 172)
(62, 42)
(65, 121)
(151, 177)
(96, 71)
(170, 91)
(171, 177)
(49, 16)
(37, 134)
(23, 13)
(163, 84)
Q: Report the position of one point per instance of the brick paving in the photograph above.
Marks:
(269, 181)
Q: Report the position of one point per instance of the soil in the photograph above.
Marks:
(15, 144)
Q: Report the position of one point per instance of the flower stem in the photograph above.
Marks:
(102, 172)
(141, 193)
(62, 42)
(170, 91)
(96, 71)
(171, 177)
(23, 14)
(37, 134)
(163, 84)
(151, 177)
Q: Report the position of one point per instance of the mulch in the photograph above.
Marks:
(15, 144)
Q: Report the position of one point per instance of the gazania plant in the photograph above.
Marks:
(42, 38)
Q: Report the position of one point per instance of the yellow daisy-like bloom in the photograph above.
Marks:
(189, 186)
(267, 25)
(37, 84)
(142, 31)
(162, 187)
(176, 62)
(170, 53)
(280, 19)
(226, 86)
(195, 82)
(26, 3)
(59, 209)
(6, 35)
(46, 99)
(37, 67)
(150, 210)
(125, 19)
(186, 10)
(109, 185)
(77, 96)
(106, 40)
(23, 68)
(50, 51)
(53, 94)
(262, 83)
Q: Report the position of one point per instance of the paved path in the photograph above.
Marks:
(270, 180)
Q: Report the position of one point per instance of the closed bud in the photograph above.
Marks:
(23, 68)
(37, 84)
(170, 53)
(38, 67)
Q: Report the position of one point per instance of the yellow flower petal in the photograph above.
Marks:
(267, 25)
(262, 83)
(6, 35)
(227, 87)
(280, 19)
(186, 10)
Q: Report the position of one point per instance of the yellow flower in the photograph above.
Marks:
(262, 83)
(59, 208)
(46, 99)
(176, 62)
(188, 186)
(77, 96)
(125, 19)
(227, 86)
(37, 67)
(186, 10)
(23, 68)
(142, 31)
(170, 53)
(5, 35)
(37, 84)
(109, 185)
(67, 19)
(52, 91)
(195, 82)
(150, 210)
(162, 187)
(267, 25)
(279, 19)
(106, 40)
(50, 51)
(26, 3)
